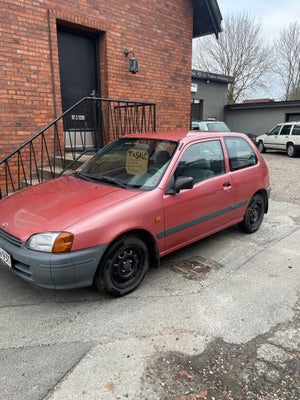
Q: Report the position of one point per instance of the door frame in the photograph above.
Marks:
(75, 137)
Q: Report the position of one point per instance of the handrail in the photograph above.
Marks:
(84, 128)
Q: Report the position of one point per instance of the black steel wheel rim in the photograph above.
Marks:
(127, 267)
(255, 212)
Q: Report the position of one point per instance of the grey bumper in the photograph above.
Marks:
(54, 271)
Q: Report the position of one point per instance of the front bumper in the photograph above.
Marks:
(54, 271)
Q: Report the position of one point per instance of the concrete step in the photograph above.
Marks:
(48, 172)
(69, 158)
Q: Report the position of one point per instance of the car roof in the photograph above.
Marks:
(288, 123)
(183, 135)
(208, 120)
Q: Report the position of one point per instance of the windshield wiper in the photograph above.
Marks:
(82, 176)
(108, 179)
(100, 178)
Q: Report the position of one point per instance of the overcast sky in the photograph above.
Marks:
(273, 14)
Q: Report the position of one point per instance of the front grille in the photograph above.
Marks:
(11, 239)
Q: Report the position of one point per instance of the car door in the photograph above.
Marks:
(295, 135)
(283, 137)
(271, 141)
(209, 205)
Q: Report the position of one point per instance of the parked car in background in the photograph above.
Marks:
(210, 125)
(284, 137)
(252, 137)
(138, 199)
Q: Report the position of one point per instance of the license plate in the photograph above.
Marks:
(5, 258)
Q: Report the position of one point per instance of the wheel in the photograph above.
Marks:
(261, 147)
(254, 214)
(123, 267)
(291, 150)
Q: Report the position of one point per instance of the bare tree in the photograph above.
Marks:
(239, 52)
(287, 50)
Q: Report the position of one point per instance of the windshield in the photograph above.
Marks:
(130, 163)
(217, 126)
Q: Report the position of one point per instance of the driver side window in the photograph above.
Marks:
(275, 131)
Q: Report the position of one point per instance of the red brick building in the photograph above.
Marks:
(45, 42)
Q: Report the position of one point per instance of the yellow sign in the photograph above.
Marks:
(137, 161)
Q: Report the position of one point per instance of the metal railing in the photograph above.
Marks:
(84, 128)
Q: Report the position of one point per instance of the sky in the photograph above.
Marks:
(274, 15)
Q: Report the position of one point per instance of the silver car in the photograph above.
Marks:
(218, 126)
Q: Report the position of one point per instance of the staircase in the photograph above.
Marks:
(75, 135)
(73, 164)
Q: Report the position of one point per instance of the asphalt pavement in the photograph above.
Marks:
(218, 320)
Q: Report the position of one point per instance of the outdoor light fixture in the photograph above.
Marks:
(133, 63)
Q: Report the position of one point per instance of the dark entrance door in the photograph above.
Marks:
(79, 72)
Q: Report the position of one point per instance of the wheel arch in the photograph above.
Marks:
(264, 194)
(261, 144)
(147, 238)
(151, 243)
(289, 142)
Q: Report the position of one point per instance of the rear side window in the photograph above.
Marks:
(241, 155)
(296, 130)
(285, 130)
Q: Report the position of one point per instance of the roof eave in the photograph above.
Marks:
(207, 18)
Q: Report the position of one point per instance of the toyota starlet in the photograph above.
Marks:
(139, 198)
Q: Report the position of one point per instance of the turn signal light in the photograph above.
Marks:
(63, 243)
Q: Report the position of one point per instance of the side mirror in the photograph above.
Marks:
(180, 183)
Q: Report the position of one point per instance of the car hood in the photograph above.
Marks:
(57, 205)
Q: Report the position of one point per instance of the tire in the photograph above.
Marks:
(254, 214)
(291, 152)
(261, 147)
(123, 267)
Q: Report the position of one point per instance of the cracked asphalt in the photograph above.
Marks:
(265, 368)
(219, 320)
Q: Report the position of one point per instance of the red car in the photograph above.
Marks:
(138, 199)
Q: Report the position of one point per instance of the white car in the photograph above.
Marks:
(284, 137)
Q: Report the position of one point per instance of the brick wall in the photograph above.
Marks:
(159, 33)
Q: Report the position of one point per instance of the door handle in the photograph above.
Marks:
(227, 184)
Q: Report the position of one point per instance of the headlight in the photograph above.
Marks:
(51, 242)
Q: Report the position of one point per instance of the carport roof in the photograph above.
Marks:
(267, 104)
(207, 18)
